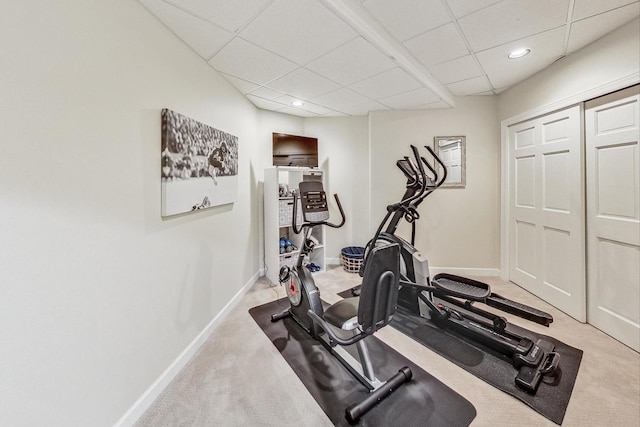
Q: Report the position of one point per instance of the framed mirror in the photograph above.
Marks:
(452, 152)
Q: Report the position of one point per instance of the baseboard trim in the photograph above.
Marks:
(460, 271)
(151, 394)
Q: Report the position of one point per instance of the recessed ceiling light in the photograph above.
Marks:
(519, 53)
(297, 103)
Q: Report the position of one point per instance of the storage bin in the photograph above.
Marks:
(285, 214)
(352, 258)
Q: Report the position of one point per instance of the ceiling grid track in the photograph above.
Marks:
(360, 21)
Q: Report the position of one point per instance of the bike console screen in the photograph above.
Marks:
(314, 202)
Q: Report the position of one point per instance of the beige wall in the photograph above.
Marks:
(459, 227)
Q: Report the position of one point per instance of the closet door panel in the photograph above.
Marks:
(547, 209)
(612, 129)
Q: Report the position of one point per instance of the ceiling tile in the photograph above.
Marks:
(502, 71)
(242, 85)
(348, 101)
(472, 86)
(436, 46)
(265, 104)
(433, 106)
(585, 8)
(299, 30)
(276, 50)
(512, 20)
(364, 109)
(410, 99)
(286, 99)
(230, 15)
(297, 112)
(408, 18)
(587, 30)
(351, 62)
(308, 106)
(202, 36)
(266, 93)
(461, 8)
(385, 84)
(458, 69)
(246, 61)
(342, 97)
(304, 84)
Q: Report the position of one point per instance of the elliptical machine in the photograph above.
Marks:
(359, 317)
(455, 307)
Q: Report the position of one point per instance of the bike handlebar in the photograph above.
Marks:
(304, 224)
(335, 196)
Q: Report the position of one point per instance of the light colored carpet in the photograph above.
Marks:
(238, 378)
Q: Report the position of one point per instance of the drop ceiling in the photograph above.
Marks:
(349, 57)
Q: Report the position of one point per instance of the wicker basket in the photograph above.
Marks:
(352, 257)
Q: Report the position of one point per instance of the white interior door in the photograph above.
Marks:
(546, 212)
(613, 215)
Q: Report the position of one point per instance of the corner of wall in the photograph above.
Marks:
(145, 401)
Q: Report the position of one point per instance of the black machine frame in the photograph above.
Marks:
(359, 317)
(449, 300)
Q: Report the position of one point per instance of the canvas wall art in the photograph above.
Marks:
(199, 165)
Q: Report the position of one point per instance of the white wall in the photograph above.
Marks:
(607, 64)
(343, 155)
(98, 294)
(459, 227)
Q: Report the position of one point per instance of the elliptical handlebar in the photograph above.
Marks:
(431, 169)
(441, 163)
(413, 177)
(419, 179)
(417, 188)
(423, 175)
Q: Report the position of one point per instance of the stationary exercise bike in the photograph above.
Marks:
(359, 317)
(449, 300)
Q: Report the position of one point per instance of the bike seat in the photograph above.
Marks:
(343, 314)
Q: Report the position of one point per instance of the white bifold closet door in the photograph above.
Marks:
(612, 130)
(546, 211)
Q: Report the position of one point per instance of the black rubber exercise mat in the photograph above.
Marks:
(551, 398)
(424, 401)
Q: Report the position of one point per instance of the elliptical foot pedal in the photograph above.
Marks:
(520, 310)
(461, 287)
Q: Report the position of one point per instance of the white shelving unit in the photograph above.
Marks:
(278, 215)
